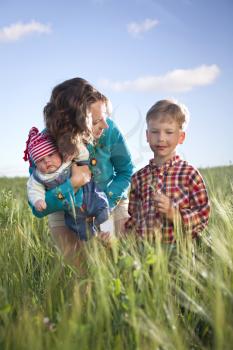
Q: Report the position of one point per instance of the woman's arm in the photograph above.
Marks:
(58, 199)
(68, 194)
(122, 164)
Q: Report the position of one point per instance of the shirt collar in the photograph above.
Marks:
(161, 168)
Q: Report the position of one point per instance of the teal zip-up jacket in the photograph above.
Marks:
(112, 173)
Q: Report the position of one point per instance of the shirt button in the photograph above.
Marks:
(60, 196)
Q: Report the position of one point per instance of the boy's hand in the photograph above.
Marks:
(40, 205)
(164, 205)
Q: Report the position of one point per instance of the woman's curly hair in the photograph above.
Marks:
(66, 114)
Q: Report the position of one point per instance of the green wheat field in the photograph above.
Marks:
(133, 295)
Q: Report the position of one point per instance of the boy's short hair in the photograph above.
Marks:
(169, 109)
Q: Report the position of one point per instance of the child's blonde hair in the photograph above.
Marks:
(169, 109)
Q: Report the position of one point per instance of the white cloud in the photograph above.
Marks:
(137, 28)
(18, 30)
(178, 80)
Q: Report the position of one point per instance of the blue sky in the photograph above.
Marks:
(136, 52)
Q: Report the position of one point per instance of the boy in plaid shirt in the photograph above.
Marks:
(168, 189)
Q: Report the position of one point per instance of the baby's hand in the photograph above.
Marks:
(40, 205)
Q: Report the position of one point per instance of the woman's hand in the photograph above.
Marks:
(80, 176)
(106, 238)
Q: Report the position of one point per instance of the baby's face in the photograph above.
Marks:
(49, 163)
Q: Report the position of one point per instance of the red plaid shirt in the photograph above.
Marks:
(183, 184)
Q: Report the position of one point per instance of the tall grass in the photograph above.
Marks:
(134, 295)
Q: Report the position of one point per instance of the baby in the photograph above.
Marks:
(49, 171)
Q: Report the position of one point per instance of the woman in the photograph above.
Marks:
(78, 111)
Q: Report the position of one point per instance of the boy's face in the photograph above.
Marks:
(98, 111)
(49, 163)
(163, 135)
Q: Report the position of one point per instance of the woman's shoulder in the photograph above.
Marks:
(111, 124)
(113, 130)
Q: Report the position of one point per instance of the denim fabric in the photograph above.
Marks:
(85, 221)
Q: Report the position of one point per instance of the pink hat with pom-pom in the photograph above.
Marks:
(38, 145)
